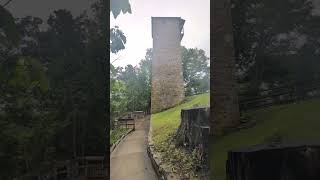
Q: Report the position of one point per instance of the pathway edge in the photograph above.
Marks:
(113, 147)
(162, 172)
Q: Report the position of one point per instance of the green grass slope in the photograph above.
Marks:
(291, 122)
(164, 125)
(167, 122)
(116, 134)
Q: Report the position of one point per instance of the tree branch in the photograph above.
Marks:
(116, 59)
(5, 4)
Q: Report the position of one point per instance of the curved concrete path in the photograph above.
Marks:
(130, 159)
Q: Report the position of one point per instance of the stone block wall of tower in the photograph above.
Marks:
(167, 75)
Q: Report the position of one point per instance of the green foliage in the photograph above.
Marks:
(279, 48)
(167, 122)
(131, 87)
(23, 122)
(178, 159)
(9, 28)
(29, 29)
(196, 71)
(144, 81)
(129, 78)
(118, 6)
(118, 98)
(164, 125)
(116, 134)
(28, 73)
(117, 40)
(53, 93)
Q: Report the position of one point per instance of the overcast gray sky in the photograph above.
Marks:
(42, 8)
(316, 10)
(137, 26)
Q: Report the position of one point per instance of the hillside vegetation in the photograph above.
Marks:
(293, 122)
(164, 125)
(167, 122)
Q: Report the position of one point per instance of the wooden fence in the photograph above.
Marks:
(128, 121)
(280, 95)
(125, 123)
(82, 168)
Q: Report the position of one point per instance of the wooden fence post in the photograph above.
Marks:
(85, 169)
(55, 176)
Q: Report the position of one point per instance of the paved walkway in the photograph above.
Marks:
(130, 159)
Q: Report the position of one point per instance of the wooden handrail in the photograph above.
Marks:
(67, 169)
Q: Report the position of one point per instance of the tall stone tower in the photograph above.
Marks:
(167, 78)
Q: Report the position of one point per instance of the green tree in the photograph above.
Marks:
(27, 129)
(267, 47)
(117, 37)
(118, 98)
(144, 82)
(118, 6)
(54, 93)
(196, 71)
(29, 29)
(117, 40)
(132, 85)
(129, 77)
(9, 35)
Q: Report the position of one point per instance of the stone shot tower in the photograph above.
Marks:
(167, 78)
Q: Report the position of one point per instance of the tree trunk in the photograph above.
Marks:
(224, 99)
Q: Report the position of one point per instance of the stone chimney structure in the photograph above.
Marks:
(167, 75)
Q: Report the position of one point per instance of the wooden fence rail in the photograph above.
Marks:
(280, 95)
(126, 123)
(82, 168)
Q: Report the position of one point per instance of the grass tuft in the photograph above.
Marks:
(116, 134)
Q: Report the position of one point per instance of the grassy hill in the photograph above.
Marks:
(299, 121)
(291, 122)
(167, 122)
(164, 125)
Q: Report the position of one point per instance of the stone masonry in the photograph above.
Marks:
(167, 78)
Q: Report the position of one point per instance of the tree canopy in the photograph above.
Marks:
(276, 41)
(53, 86)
